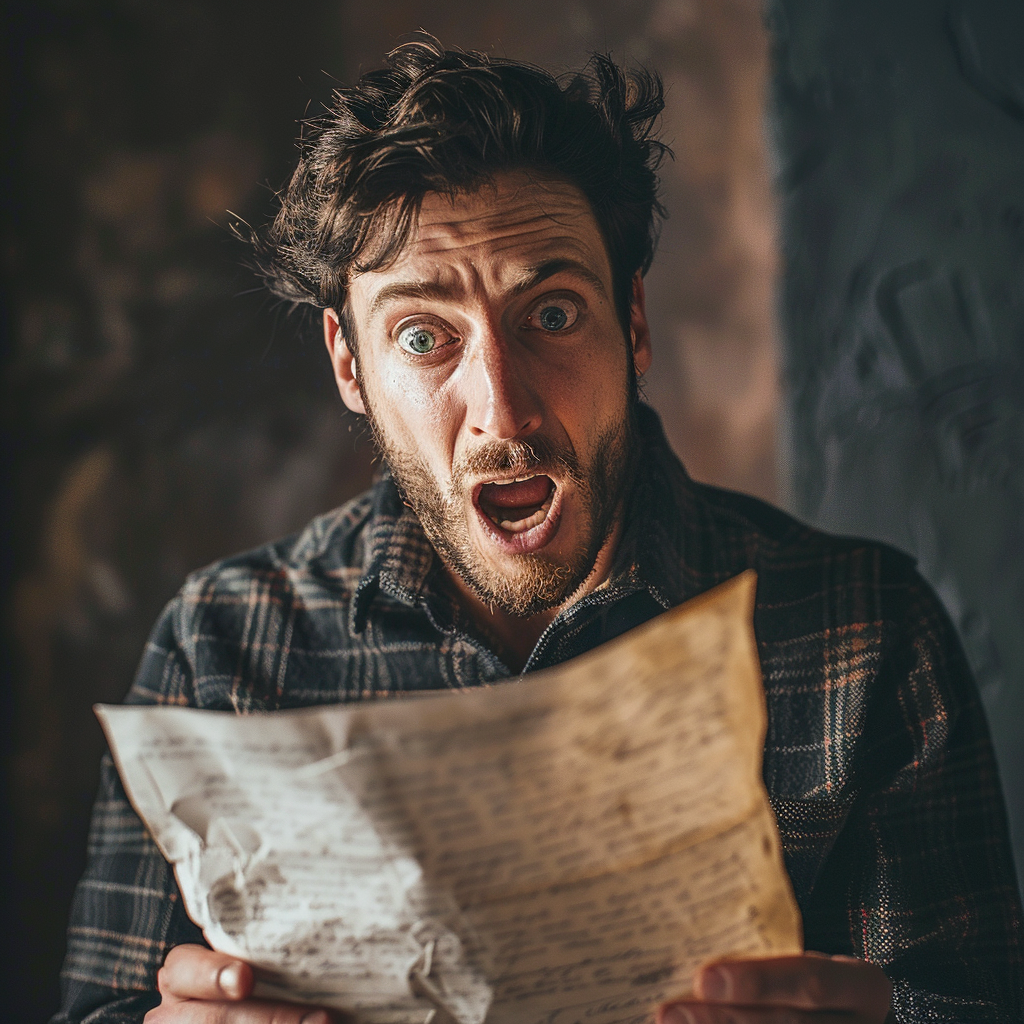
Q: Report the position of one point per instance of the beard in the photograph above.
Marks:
(528, 583)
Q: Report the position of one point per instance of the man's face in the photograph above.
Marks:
(495, 374)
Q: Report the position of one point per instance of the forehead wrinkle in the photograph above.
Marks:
(494, 238)
(502, 214)
(526, 250)
(539, 245)
(451, 281)
(498, 232)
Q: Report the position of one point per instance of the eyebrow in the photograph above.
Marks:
(447, 291)
(437, 290)
(549, 268)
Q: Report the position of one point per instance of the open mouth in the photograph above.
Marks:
(517, 505)
(520, 516)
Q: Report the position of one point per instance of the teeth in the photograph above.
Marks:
(515, 480)
(522, 525)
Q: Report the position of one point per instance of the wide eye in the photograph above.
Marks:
(421, 339)
(553, 315)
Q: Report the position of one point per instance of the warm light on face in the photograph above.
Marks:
(494, 372)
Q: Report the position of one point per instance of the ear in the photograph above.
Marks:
(343, 362)
(639, 330)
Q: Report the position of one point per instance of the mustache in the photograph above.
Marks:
(517, 458)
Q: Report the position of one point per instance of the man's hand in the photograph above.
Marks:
(199, 986)
(808, 989)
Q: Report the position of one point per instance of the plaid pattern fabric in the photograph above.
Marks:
(877, 758)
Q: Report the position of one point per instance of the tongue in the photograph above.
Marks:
(534, 491)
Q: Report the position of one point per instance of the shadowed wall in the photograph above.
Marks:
(160, 413)
(901, 142)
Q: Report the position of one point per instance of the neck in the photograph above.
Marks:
(513, 637)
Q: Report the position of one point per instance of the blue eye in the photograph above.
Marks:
(553, 318)
(553, 315)
(417, 340)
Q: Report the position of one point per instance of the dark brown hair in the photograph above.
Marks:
(445, 121)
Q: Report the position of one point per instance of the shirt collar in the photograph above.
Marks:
(655, 543)
(398, 559)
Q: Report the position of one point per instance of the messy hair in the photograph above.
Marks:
(445, 121)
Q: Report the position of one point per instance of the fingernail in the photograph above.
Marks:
(676, 1015)
(713, 984)
(316, 1017)
(230, 981)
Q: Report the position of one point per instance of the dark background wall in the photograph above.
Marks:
(159, 413)
(900, 130)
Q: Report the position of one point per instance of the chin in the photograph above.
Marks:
(521, 582)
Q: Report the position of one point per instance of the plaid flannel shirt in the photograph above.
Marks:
(877, 758)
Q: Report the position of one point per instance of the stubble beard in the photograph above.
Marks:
(533, 582)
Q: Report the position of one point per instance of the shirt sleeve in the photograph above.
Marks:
(923, 867)
(127, 911)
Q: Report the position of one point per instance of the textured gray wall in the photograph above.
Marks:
(900, 134)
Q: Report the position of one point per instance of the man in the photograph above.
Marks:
(476, 236)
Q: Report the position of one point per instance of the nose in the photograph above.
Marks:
(501, 400)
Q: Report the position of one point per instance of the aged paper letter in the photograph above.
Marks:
(562, 849)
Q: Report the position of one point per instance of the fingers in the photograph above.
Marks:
(811, 983)
(195, 972)
(199, 986)
(250, 1011)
